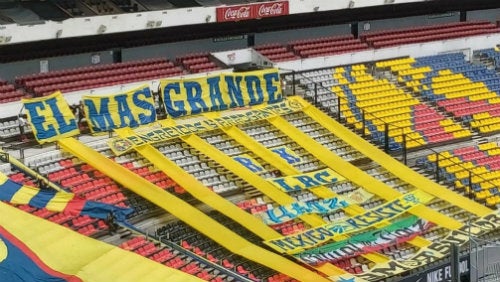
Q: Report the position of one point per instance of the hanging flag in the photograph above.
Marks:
(18, 263)
(16, 193)
(394, 234)
(50, 118)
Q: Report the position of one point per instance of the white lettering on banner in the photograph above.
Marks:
(273, 10)
(237, 14)
(444, 274)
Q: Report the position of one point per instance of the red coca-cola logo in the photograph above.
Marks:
(275, 9)
(252, 11)
(238, 13)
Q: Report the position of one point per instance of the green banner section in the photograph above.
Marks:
(398, 232)
(435, 251)
(310, 238)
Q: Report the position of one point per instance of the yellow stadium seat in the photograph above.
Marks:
(487, 146)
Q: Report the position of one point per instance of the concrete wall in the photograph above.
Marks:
(9, 71)
(408, 22)
(286, 36)
(173, 50)
(492, 15)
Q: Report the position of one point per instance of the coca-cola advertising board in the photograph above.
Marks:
(252, 11)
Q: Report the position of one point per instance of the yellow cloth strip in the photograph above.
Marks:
(419, 242)
(356, 175)
(394, 166)
(185, 212)
(330, 269)
(255, 180)
(278, 162)
(287, 169)
(205, 195)
(89, 259)
(376, 257)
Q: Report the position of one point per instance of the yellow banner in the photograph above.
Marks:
(307, 180)
(149, 136)
(192, 96)
(128, 109)
(313, 237)
(50, 118)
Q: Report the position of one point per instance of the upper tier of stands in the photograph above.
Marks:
(120, 73)
(98, 76)
(386, 38)
(9, 93)
(198, 62)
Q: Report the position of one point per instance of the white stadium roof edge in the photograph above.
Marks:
(88, 26)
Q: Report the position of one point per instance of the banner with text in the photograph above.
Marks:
(18, 194)
(190, 96)
(252, 11)
(128, 109)
(307, 180)
(437, 250)
(149, 136)
(311, 238)
(250, 163)
(397, 233)
(50, 118)
(289, 212)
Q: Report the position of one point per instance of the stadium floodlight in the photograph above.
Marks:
(351, 4)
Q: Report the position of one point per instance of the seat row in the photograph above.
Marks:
(173, 258)
(471, 169)
(198, 62)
